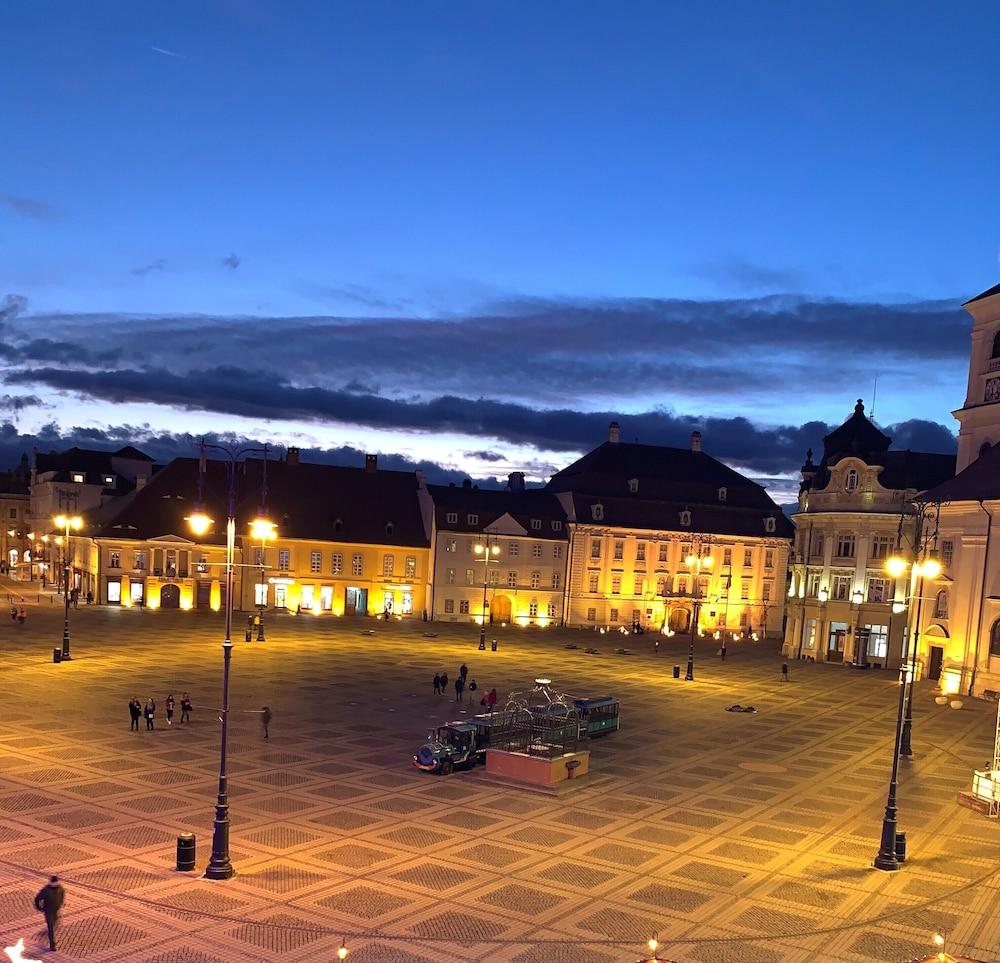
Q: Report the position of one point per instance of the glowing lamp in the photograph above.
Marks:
(930, 567)
(951, 681)
(263, 530)
(342, 952)
(652, 944)
(199, 523)
(707, 561)
(690, 560)
(824, 594)
(895, 565)
(15, 953)
(479, 549)
(68, 521)
(898, 608)
(857, 597)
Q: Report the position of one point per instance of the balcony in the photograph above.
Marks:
(993, 364)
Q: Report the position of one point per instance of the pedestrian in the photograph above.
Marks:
(437, 683)
(459, 686)
(13, 613)
(90, 598)
(21, 616)
(472, 688)
(656, 647)
(463, 671)
(185, 707)
(170, 709)
(149, 711)
(134, 710)
(491, 699)
(265, 720)
(49, 901)
(444, 681)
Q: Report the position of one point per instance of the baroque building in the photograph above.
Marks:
(855, 510)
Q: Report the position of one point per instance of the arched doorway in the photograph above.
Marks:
(170, 597)
(680, 620)
(500, 609)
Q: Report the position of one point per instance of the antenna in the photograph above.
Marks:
(874, 392)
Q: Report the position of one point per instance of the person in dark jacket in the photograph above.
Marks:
(459, 686)
(134, 710)
(170, 709)
(185, 707)
(491, 699)
(149, 711)
(444, 681)
(463, 671)
(437, 683)
(265, 720)
(49, 901)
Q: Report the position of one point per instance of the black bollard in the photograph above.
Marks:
(677, 671)
(493, 645)
(185, 852)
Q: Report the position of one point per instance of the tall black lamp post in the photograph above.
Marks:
(488, 550)
(66, 523)
(698, 561)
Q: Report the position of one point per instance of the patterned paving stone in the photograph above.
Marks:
(185, 954)
(670, 897)
(576, 875)
(119, 878)
(345, 820)
(201, 899)
(383, 952)
(353, 856)
(26, 802)
(742, 952)
(540, 836)
(561, 954)
(416, 837)
(97, 933)
(618, 924)
(881, 946)
(709, 873)
(793, 892)
(363, 902)
(525, 900)
(17, 904)
(281, 837)
(281, 879)
(75, 818)
(434, 876)
(774, 922)
(460, 819)
(137, 837)
(281, 933)
(487, 854)
(465, 927)
(49, 856)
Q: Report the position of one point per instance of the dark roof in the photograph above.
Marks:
(305, 501)
(130, 451)
(94, 465)
(491, 504)
(915, 470)
(988, 293)
(979, 480)
(659, 515)
(857, 436)
(674, 474)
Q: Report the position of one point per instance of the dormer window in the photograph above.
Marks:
(536, 524)
(557, 526)
(389, 528)
(770, 524)
(78, 477)
(597, 512)
(452, 518)
(472, 519)
(338, 525)
(685, 519)
(723, 493)
(633, 485)
(996, 345)
(109, 481)
(851, 483)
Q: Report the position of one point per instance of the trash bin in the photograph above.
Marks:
(677, 671)
(901, 847)
(493, 645)
(185, 852)
(57, 655)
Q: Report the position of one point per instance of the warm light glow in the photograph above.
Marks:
(14, 953)
(895, 565)
(342, 952)
(68, 521)
(263, 530)
(199, 523)
(951, 681)
(791, 589)
(823, 594)
(479, 549)
(898, 608)
(543, 621)
(930, 567)
(652, 944)
(857, 597)
(690, 560)
(316, 609)
(707, 561)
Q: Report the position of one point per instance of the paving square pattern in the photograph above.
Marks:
(732, 837)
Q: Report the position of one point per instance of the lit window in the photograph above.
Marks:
(449, 576)
(592, 616)
(616, 584)
(595, 548)
(514, 549)
(550, 610)
(852, 480)
(536, 551)
(512, 579)
(357, 565)
(338, 563)
(619, 551)
(878, 590)
(451, 545)
(637, 585)
(533, 608)
(470, 577)
(411, 566)
(463, 606)
(663, 551)
(614, 615)
(283, 560)
(769, 558)
(748, 558)
(315, 562)
(260, 593)
(387, 563)
(941, 605)
(115, 560)
(845, 545)
(556, 580)
(78, 477)
(494, 576)
(947, 552)
(536, 580)
(449, 606)
(841, 587)
(727, 558)
(640, 551)
(592, 582)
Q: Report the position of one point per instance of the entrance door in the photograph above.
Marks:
(680, 620)
(355, 601)
(204, 595)
(836, 642)
(500, 609)
(170, 597)
(937, 657)
(280, 595)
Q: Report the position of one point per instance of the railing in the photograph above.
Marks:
(993, 364)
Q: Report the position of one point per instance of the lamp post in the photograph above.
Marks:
(487, 549)
(930, 568)
(220, 865)
(695, 563)
(66, 522)
(263, 531)
(860, 649)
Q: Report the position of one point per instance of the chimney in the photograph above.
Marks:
(515, 481)
(467, 483)
(292, 456)
(371, 463)
(614, 432)
(695, 441)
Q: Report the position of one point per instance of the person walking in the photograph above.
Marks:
(437, 683)
(21, 616)
(459, 686)
(185, 707)
(265, 721)
(169, 704)
(49, 901)
(149, 711)
(463, 671)
(491, 699)
(444, 682)
(134, 710)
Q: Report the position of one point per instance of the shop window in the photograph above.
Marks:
(114, 592)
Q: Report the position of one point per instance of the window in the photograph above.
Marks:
(557, 526)
(595, 548)
(685, 550)
(633, 485)
(283, 560)
(662, 556)
(494, 576)
(616, 583)
(512, 579)
(878, 640)
(592, 582)
(550, 610)
(470, 577)
(449, 576)
(996, 346)
(536, 580)
(387, 564)
(614, 615)
(315, 562)
(682, 585)
(812, 585)
(727, 558)
(326, 598)
(845, 545)
(748, 558)
(941, 605)
(720, 619)
(556, 580)
(449, 606)
(12, 513)
(769, 558)
(202, 565)
(533, 609)
(260, 593)
(745, 589)
(842, 587)
(619, 550)
(878, 589)
(389, 528)
(817, 544)
(463, 606)
(536, 551)
(640, 551)
(140, 561)
(947, 552)
(452, 518)
(744, 619)
(851, 483)
(338, 525)
(109, 481)
(703, 586)
(880, 546)
(513, 549)
(115, 560)
(685, 519)
(337, 566)
(357, 565)
(411, 566)
(78, 477)
(592, 616)
(171, 563)
(994, 632)
(536, 524)
(557, 551)
(451, 545)
(637, 585)
(472, 519)
(258, 556)
(114, 592)
(661, 585)
(765, 592)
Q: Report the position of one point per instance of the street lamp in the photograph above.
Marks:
(220, 865)
(860, 646)
(695, 563)
(263, 531)
(487, 550)
(66, 522)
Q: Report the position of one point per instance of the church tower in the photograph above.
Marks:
(979, 417)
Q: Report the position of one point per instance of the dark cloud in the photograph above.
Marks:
(484, 455)
(160, 264)
(18, 403)
(11, 306)
(745, 276)
(29, 207)
(920, 435)
(232, 262)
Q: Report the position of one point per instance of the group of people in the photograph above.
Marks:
(137, 710)
(18, 614)
(461, 682)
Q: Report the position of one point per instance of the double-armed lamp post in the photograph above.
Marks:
(696, 563)
(220, 865)
(488, 550)
(66, 523)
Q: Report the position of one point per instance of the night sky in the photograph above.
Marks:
(469, 235)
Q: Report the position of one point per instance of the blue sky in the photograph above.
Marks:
(445, 161)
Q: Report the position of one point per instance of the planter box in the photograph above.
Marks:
(537, 770)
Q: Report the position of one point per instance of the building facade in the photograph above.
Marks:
(855, 510)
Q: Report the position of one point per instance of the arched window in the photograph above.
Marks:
(941, 605)
(852, 480)
(983, 448)
(995, 638)
(996, 345)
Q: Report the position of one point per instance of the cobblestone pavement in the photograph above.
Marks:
(733, 837)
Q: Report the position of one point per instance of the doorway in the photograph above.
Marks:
(680, 620)
(204, 597)
(170, 597)
(281, 596)
(356, 601)
(500, 609)
(836, 642)
(934, 665)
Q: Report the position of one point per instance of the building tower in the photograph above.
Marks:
(979, 418)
